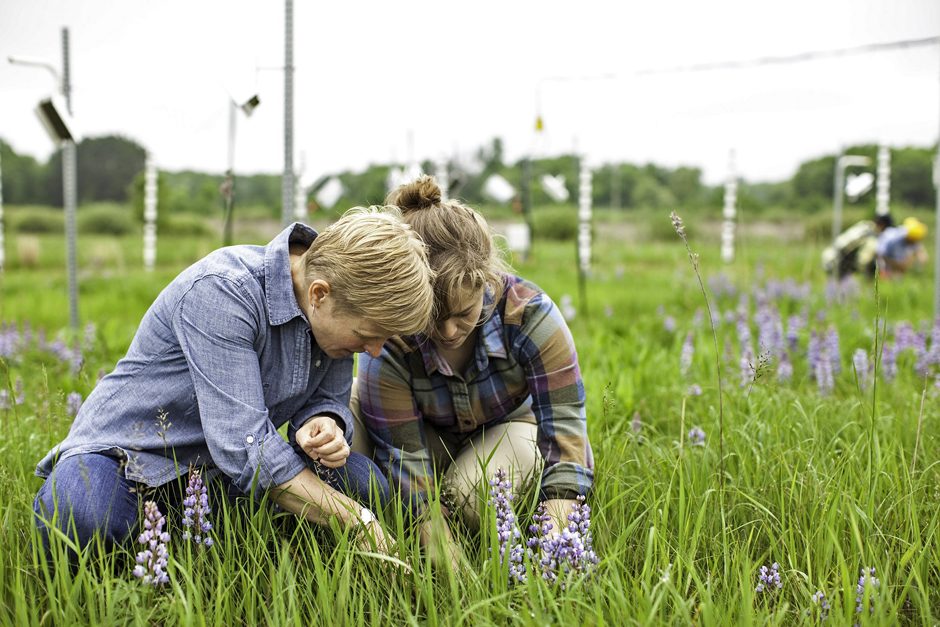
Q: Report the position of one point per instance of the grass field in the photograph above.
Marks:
(822, 479)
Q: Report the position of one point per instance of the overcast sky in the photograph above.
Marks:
(382, 80)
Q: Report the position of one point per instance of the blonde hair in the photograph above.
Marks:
(460, 245)
(377, 268)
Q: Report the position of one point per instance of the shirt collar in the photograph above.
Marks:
(279, 294)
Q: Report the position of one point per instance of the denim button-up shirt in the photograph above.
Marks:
(222, 358)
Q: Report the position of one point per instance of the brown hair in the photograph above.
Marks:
(460, 245)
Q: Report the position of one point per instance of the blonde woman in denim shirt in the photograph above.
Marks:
(241, 342)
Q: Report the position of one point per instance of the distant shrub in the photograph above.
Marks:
(556, 223)
(106, 219)
(184, 224)
(38, 221)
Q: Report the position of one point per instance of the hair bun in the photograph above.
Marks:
(421, 193)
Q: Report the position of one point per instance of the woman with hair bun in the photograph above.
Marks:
(494, 383)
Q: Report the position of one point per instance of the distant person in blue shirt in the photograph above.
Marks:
(899, 248)
(243, 341)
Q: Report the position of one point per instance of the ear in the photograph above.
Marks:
(317, 291)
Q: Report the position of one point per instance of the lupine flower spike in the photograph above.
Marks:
(507, 531)
(820, 600)
(196, 513)
(866, 580)
(769, 579)
(571, 551)
(151, 562)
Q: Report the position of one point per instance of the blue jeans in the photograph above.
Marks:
(88, 494)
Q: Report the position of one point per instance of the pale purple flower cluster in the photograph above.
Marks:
(784, 368)
(769, 579)
(694, 390)
(688, 351)
(696, 436)
(569, 553)
(14, 342)
(862, 367)
(507, 531)
(821, 363)
(19, 395)
(151, 562)
(819, 599)
(73, 402)
(721, 286)
(196, 511)
(866, 581)
(636, 424)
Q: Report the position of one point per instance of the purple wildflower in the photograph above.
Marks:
(784, 368)
(867, 582)
(151, 562)
(196, 511)
(769, 579)
(832, 349)
(636, 425)
(669, 323)
(73, 402)
(696, 436)
(19, 393)
(819, 598)
(889, 362)
(571, 551)
(5, 399)
(507, 531)
(694, 390)
(91, 334)
(794, 325)
(862, 369)
(688, 351)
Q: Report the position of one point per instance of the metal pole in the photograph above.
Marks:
(287, 181)
(2, 255)
(838, 186)
(936, 228)
(615, 190)
(228, 186)
(69, 188)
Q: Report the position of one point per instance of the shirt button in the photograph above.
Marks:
(250, 439)
(316, 364)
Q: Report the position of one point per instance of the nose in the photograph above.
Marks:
(447, 329)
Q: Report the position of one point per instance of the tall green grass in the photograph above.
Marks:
(823, 485)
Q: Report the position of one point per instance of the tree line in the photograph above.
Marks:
(110, 168)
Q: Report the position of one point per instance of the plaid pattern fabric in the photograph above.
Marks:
(524, 352)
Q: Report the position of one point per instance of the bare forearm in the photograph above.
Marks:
(311, 498)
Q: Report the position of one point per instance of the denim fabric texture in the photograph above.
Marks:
(220, 361)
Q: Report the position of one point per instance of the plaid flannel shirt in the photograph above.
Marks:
(524, 350)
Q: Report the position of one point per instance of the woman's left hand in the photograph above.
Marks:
(558, 510)
(323, 440)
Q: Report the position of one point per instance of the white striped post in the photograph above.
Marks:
(729, 212)
(585, 213)
(150, 214)
(883, 193)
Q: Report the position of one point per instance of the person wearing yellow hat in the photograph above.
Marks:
(899, 248)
